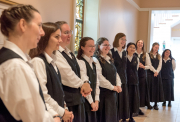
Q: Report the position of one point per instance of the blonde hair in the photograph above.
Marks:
(151, 52)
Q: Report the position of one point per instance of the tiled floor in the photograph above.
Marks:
(164, 114)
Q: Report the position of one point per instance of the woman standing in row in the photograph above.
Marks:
(132, 79)
(85, 53)
(120, 62)
(142, 74)
(110, 83)
(47, 72)
(167, 72)
(154, 76)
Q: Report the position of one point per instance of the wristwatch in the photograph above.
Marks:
(56, 116)
(87, 82)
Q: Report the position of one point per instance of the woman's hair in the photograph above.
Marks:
(97, 52)
(129, 44)
(116, 40)
(60, 23)
(144, 54)
(82, 43)
(11, 16)
(48, 28)
(170, 56)
(151, 52)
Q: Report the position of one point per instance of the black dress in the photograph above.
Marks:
(155, 83)
(143, 86)
(91, 73)
(107, 111)
(132, 81)
(122, 97)
(168, 80)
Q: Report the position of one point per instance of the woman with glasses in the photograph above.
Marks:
(167, 72)
(73, 74)
(120, 62)
(154, 76)
(85, 53)
(132, 79)
(110, 83)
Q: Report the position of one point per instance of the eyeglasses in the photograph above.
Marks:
(123, 39)
(107, 45)
(68, 32)
(91, 46)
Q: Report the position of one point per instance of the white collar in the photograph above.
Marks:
(107, 58)
(115, 49)
(88, 59)
(10, 45)
(51, 58)
(167, 59)
(138, 53)
(65, 50)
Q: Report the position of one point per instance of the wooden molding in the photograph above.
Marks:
(8, 2)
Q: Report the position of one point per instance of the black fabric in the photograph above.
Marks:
(155, 83)
(79, 113)
(72, 95)
(143, 86)
(132, 72)
(133, 89)
(54, 84)
(91, 116)
(5, 116)
(168, 80)
(108, 99)
(122, 97)
(91, 73)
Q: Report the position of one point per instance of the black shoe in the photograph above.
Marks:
(131, 120)
(135, 114)
(149, 107)
(140, 112)
(169, 105)
(156, 107)
(164, 104)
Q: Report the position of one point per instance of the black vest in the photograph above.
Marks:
(5, 116)
(72, 95)
(167, 70)
(109, 72)
(91, 73)
(155, 63)
(132, 73)
(141, 71)
(120, 64)
(54, 84)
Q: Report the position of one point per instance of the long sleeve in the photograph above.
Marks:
(19, 91)
(147, 63)
(69, 78)
(150, 65)
(103, 82)
(118, 80)
(160, 65)
(83, 70)
(40, 71)
(173, 64)
(137, 63)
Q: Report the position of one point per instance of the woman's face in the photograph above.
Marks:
(155, 48)
(54, 40)
(33, 31)
(131, 49)
(66, 35)
(167, 54)
(104, 47)
(122, 41)
(140, 44)
(89, 48)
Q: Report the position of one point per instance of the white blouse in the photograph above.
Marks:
(89, 97)
(130, 59)
(19, 89)
(102, 80)
(173, 63)
(68, 76)
(40, 70)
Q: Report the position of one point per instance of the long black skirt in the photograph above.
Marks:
(123, 103)
(168, 86)
(79, 112)
(155, 88)
(133, 98)
(90, 115)
(107, 111)
(144, 92)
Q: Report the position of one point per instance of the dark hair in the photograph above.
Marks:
(82, 43)
(144, 54)
(48, 28)
(11, 16)
(151, 52)
(129, 44)
(170, 56)
(116, 40)
(60, 23)
(97, 52)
